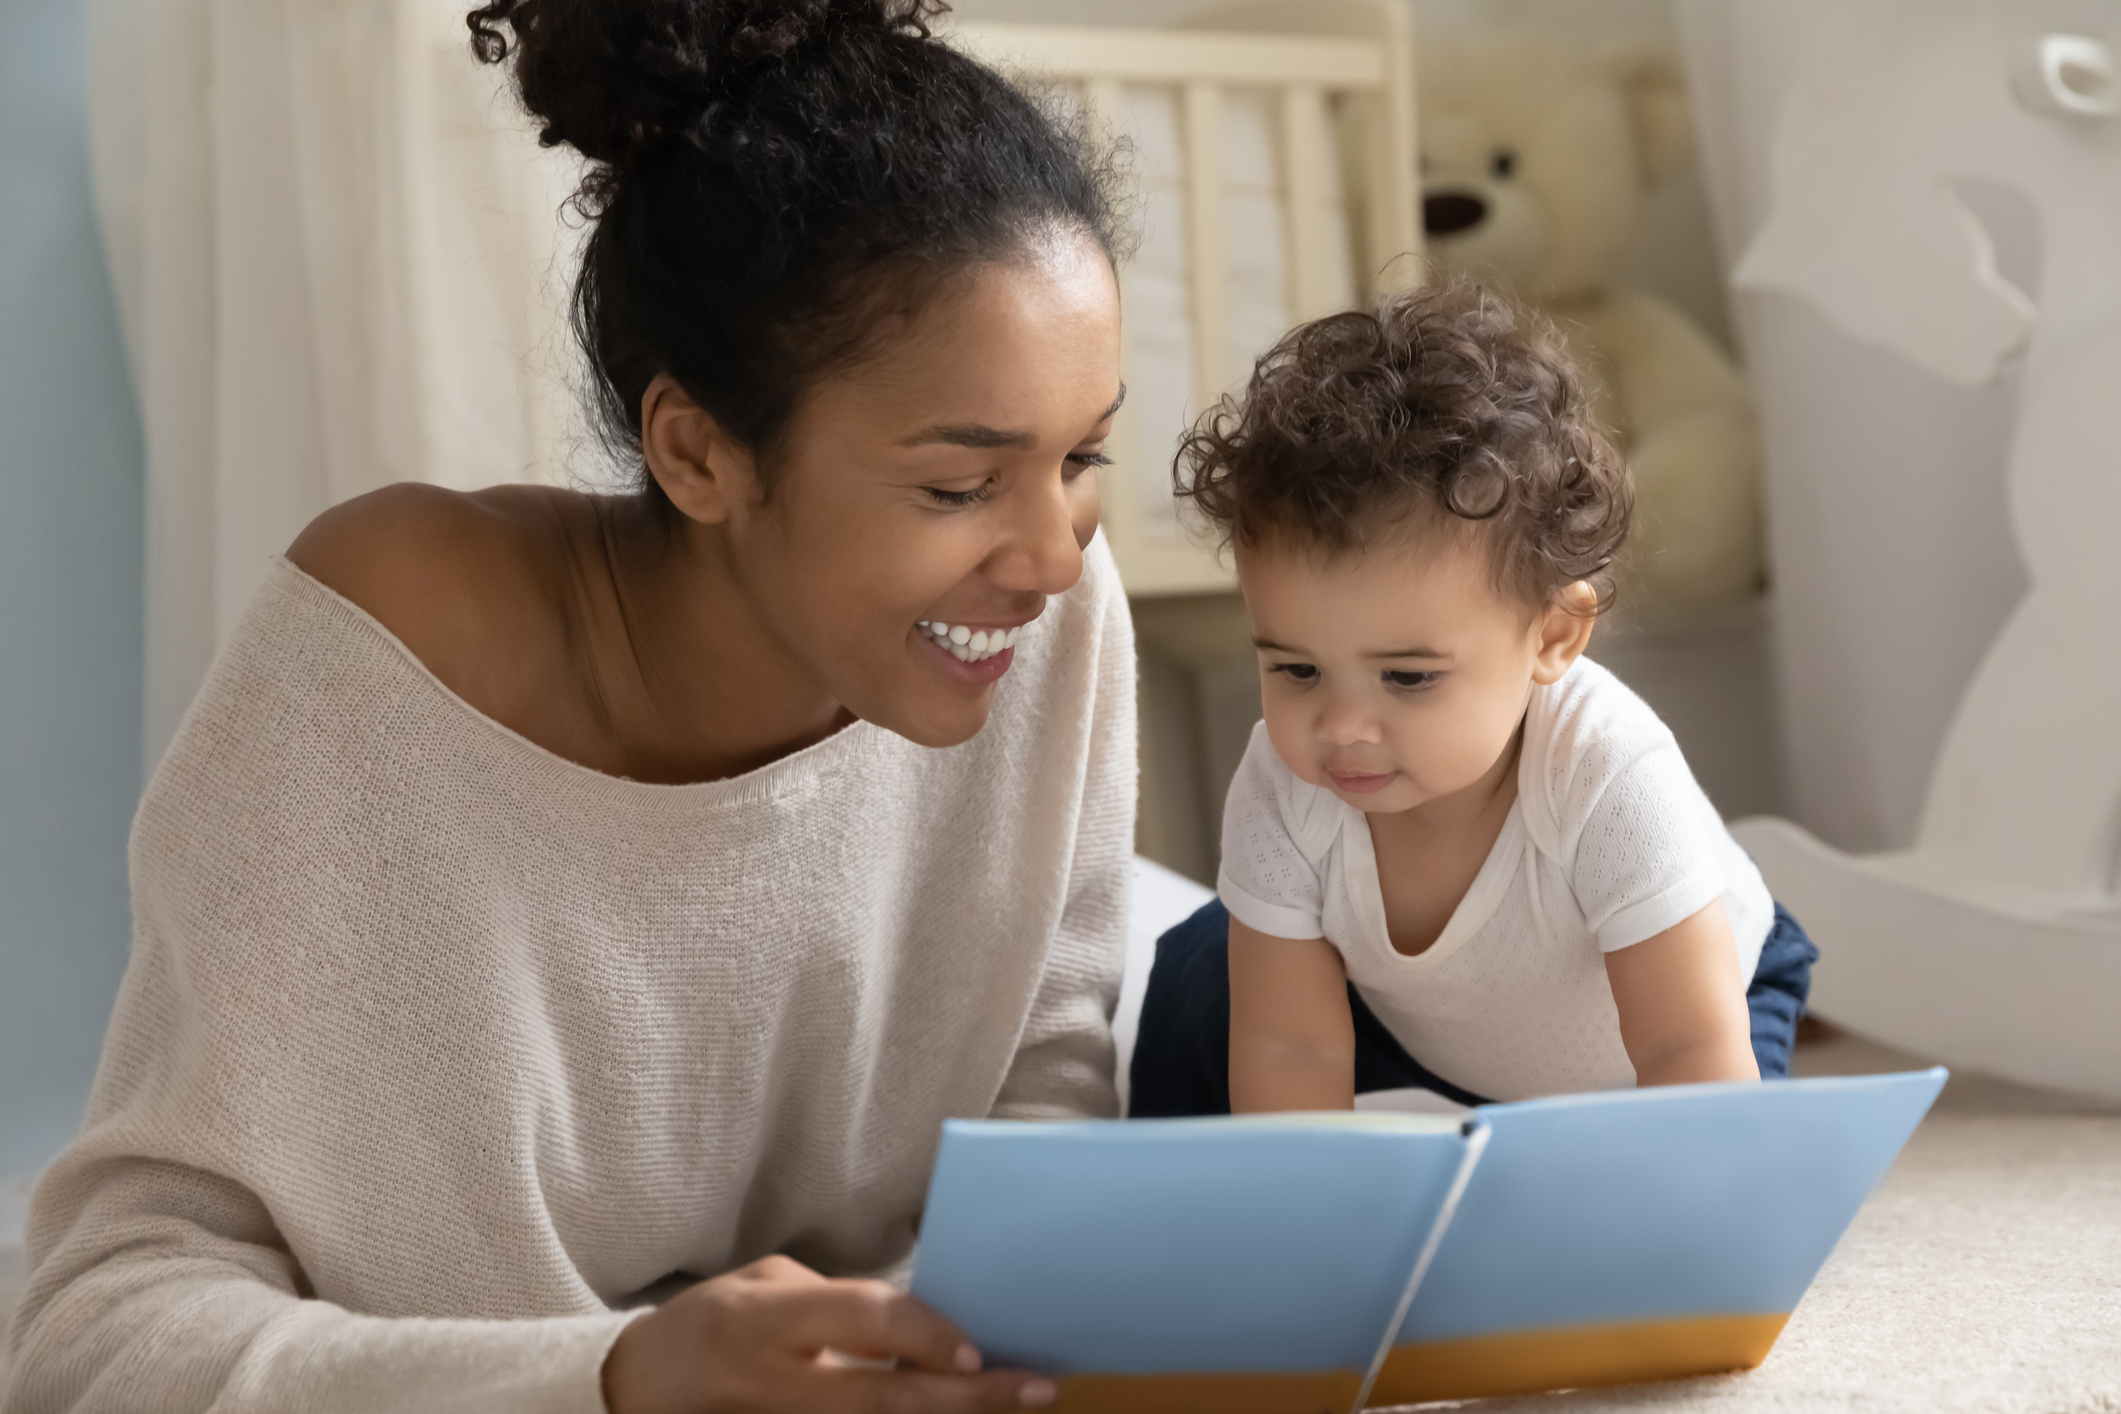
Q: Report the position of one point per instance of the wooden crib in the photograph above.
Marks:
(1275, 146)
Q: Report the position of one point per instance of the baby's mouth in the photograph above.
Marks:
(969, 645)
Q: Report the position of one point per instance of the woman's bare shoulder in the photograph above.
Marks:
(473, 583)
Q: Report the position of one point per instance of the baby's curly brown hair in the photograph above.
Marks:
(1450, 401)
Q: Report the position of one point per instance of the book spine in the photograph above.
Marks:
(1476, 1142)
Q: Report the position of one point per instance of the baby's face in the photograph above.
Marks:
(1396, 675)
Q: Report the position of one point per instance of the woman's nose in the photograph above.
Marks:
(1041, 552)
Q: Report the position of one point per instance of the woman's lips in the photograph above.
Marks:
(969, 644)
(978, 671)
(1359, 783)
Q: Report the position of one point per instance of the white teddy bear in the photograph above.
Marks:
(1535, 163)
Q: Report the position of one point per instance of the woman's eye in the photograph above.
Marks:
(961, 499)
(1083, 461)
(1412, 680)
(1296, 672)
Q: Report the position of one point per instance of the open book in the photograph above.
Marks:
(1316, 1263)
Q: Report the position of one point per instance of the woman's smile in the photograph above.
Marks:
(969, 644)
(977, 656)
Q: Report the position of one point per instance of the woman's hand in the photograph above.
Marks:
(764, 1338)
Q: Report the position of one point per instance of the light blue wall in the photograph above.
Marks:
(70, 595)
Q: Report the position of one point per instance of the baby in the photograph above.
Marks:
(1458, 854)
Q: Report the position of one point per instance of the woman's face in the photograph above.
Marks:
(948, 481)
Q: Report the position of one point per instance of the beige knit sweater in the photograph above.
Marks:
(434, 1047)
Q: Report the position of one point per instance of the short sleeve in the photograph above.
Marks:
(1266, 881)
(1646, 853)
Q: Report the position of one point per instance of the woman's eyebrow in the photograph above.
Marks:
(970, 434)
(979, 435)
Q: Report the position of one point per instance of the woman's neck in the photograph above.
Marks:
(692, 682)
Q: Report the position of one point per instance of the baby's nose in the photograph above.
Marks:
(1347, 727)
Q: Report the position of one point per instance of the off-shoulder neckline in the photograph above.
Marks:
(760, 783)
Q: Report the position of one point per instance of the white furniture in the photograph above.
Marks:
(1275, 146)
(1929, 215)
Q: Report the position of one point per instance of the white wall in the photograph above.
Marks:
(70, 596)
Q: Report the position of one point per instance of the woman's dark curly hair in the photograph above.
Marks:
(1450, 402)
(772, 179)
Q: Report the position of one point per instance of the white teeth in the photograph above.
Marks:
(967, 644)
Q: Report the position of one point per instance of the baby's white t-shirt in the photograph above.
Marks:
(1609, 842)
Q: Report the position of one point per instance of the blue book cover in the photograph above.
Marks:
(1306, 1264)
(1645, 1234)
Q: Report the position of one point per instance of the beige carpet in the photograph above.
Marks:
(1984, 1275)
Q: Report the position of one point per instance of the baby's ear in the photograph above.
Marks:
(1653, 85)
(1564, 631)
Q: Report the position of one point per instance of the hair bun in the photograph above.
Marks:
(611, 78)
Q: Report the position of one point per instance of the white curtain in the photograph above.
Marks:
(341, 261)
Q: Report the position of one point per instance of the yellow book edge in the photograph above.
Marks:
(1516, 1362)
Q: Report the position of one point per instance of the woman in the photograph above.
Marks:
(552, 898)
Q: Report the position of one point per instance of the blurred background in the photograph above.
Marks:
(259, 255)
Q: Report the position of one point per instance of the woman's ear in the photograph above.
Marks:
(1564, 631)
(705, 472)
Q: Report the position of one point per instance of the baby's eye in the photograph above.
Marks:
(1411, 680)
(1296, 672)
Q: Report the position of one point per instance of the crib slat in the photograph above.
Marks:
(1118, 484)
(1305, 147)
(1204, 229)
(1157, 56)
(1402, 160)
(1101, 98)
(1393, 159)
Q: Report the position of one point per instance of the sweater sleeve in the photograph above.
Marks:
(257, 1116)
(165, 1289)
(1064, 1062)
(162, 1285)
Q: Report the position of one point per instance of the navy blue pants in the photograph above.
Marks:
(1182, 1052)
